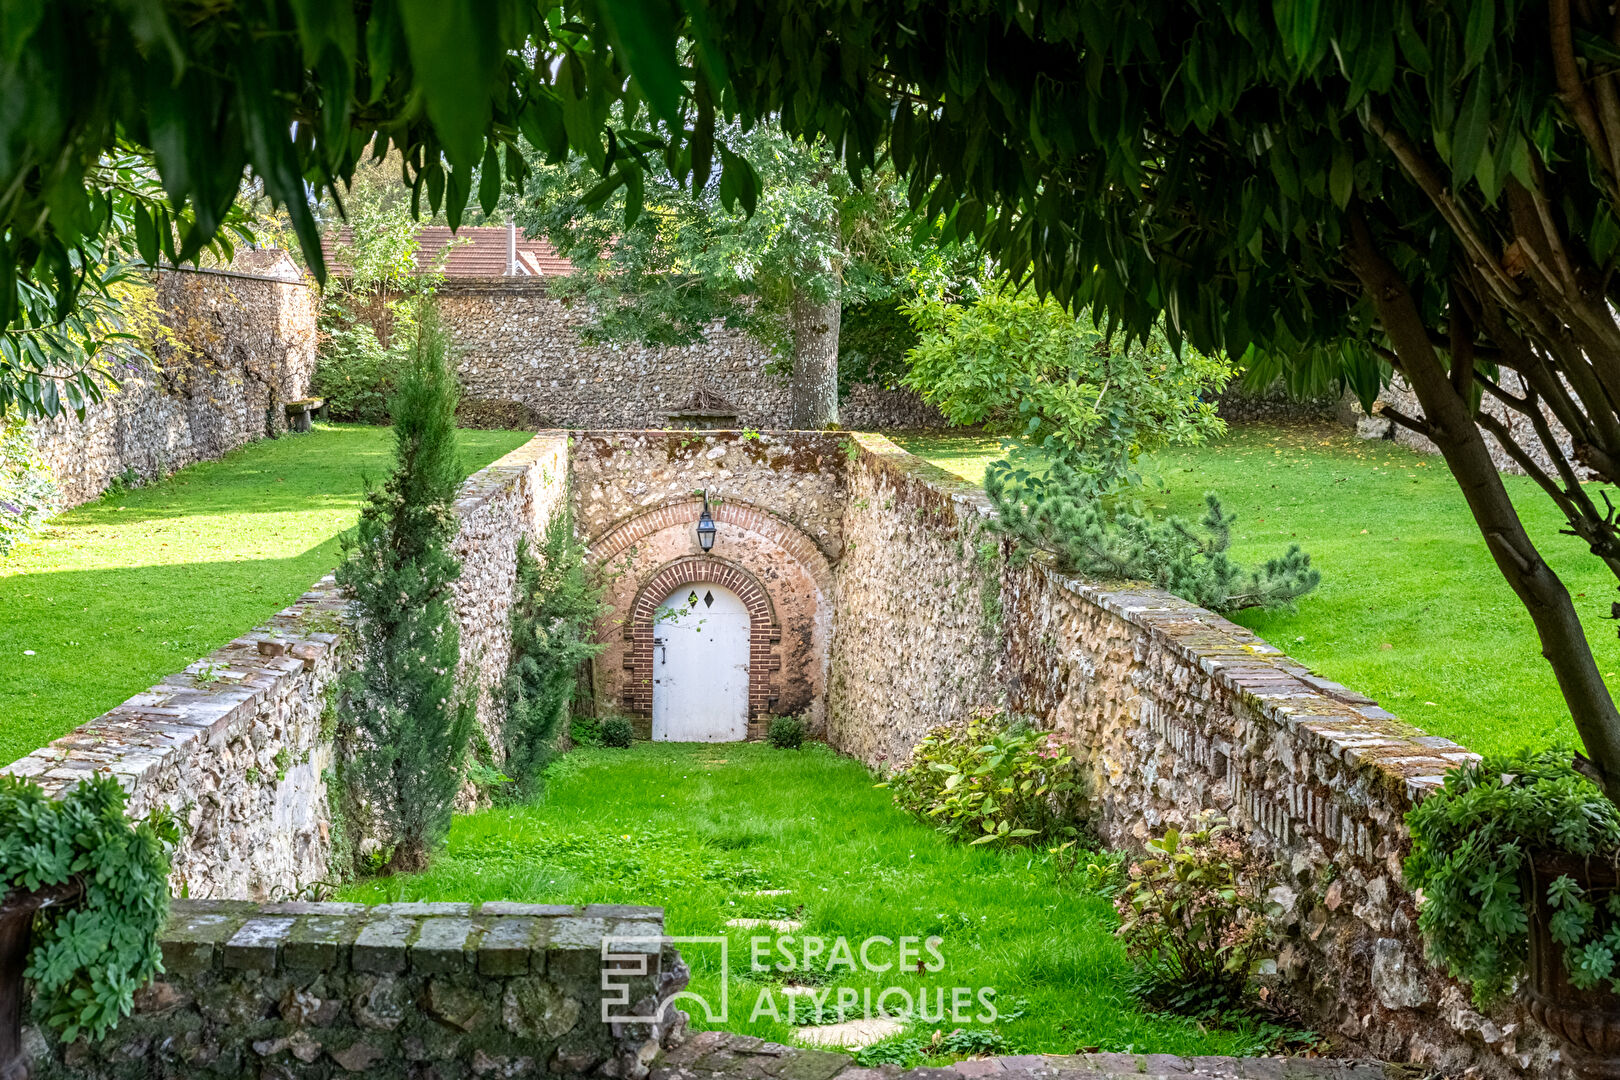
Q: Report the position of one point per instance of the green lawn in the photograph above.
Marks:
(125, 590)
(703, 829)
(1411, 609)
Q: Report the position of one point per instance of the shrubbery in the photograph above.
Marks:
(1192, 915)
(996, 780)
(554, 612)
(617, 733)
(786, 733)
(27, 492)
(90, 956)
(406, 722)
(1471, 841)
(1058, 513)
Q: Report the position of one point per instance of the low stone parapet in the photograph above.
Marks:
(437, 990)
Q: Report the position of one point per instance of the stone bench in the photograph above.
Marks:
(418, 989)
(301, 412)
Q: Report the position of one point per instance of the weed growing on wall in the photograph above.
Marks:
(27, 492)
(554, 610)
(89, 955)
(406, 723)
(1060, 514)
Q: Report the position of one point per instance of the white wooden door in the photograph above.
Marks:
(700, 666)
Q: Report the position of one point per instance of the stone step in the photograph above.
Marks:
(719, 1055)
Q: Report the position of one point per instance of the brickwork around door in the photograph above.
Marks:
(763, 632)
(754, 519)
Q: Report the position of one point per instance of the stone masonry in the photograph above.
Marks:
(420, 990)
(237, 349)
(522, 364)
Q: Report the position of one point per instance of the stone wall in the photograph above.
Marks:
(777, 500)
(239, 744)
(238, 347)
(1174, 710)
(522, 364)
(398, 990)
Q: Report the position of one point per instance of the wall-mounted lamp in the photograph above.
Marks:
(705, 526)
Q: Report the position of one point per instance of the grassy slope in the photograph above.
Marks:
(1411, 609)
(135, 586)
(700, 828)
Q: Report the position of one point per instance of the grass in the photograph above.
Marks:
(1411, 609)
(130, 588)
(703, 829)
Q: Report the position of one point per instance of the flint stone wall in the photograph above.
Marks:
(1174, 710)
(241, 348)
(239, 744)
(420, 990)
(522, 364)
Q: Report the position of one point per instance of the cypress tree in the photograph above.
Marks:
(407, 723)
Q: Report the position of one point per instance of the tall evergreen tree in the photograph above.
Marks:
(407, 723)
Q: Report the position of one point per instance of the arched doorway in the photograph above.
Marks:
(700, 665)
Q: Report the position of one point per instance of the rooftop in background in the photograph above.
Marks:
(476, 252)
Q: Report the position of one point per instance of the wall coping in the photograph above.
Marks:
(1349, 725)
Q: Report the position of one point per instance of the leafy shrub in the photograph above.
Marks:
(1025, 367)
(585, 731)
(406, 723)
(1470, 843)
(786, 733)
(617, 733)
(88, 958)
(554, 612)
(27, 491)
(992, 781)
(941, 1046)
(354, 373)
(1193, 917)
(1057, 514)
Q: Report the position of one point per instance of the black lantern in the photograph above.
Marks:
(705, 526)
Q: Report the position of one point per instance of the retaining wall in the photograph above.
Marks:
(239, 744)
(235, 350)
(397, 990)
(1174, 710)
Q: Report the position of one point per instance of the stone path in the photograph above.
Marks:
(719, 1055)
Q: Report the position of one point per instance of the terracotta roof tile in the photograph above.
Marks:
(475, 252)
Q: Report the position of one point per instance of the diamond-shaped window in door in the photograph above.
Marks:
(708, 599)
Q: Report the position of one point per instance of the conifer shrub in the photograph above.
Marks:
(1058, 513)
(617, 733)
(554, 613)
(406, 723)
(786, 733)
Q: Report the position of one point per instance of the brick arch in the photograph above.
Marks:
(763, 632)
(622, 535)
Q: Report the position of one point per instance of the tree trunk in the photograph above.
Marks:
(1452, 428)
(813, 389)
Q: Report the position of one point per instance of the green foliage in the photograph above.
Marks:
(1193, 917)
(90, 956)
(1058, 514)
(406, 722)
(786, 732)
(585, 731)
(873, 339)
(27, 490)
(993, 781)
(367, 319)
(617, 733)
(554, 612)
(940, 1045)
(1471, 841)
(1024, 367)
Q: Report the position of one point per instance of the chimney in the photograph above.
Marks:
(511, 248)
